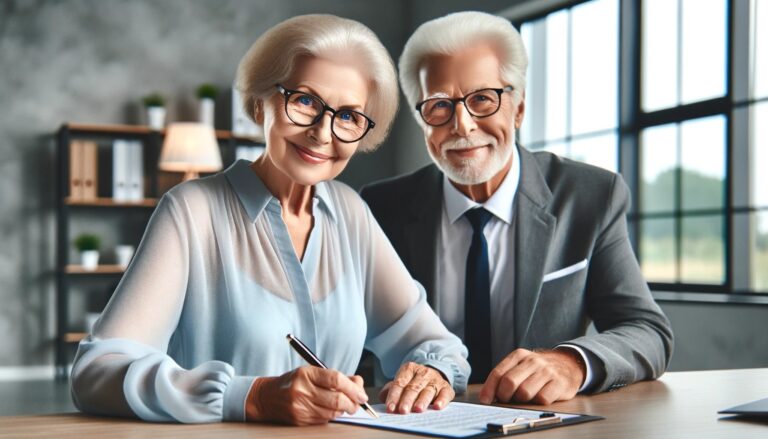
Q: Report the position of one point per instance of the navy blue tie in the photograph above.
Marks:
(477, 299)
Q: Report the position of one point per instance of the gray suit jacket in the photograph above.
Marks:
(565, 212)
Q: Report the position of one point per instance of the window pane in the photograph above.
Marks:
(658, 160)
(559, 148)
(759, 256)
(594, 78)
(657, 250)
(702, 152)
(703, 49)
(759, 156)
(702, 251)
(760, 49)
(599, 151)
(659, 48)
(557, 75)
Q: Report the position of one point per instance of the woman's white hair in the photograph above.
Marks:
(450, 34)
(271, 60)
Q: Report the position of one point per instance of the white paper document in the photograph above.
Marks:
(459, 419)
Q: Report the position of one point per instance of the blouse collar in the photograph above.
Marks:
(254, 195)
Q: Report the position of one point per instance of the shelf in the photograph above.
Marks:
(73, 337)
(101, 269)
(114, 129)
(110, 202)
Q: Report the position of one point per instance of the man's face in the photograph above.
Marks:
(467, 149)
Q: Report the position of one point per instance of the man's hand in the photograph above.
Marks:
(542, 377)
(304, 396)
(414, 388)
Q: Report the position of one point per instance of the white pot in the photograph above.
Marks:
(123, 254)
(89, 259)
(206, 111)
(156, 118)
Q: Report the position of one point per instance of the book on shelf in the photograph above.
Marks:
(83, 170)
(127, 170)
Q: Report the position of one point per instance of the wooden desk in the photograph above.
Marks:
(679, 405)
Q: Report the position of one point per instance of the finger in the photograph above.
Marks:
(335, 380)
(490, 387)
(425, 398)
(403, 377)
(357, 379)
(551, 392)
(334, 400)
(513, 379)
(384, 392)
(413, 389)
(444, 396)
(531, 386)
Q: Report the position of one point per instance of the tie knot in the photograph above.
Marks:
(478, 217)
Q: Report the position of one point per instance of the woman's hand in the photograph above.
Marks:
(415, 387)
(304, 396)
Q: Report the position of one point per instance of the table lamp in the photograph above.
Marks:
(191, 148)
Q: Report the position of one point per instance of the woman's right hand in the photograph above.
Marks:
(304, 396)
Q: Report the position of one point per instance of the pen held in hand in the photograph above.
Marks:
(312, 359)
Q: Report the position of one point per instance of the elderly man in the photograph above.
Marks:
(518, 251)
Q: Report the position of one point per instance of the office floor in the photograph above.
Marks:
(34, 397)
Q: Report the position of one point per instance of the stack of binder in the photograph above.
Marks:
(127, 170)
(83, 156)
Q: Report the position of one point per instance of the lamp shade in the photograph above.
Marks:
(190, 147)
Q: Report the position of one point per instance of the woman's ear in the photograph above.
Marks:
(258, 112)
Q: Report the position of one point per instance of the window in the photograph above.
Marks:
(571, 102)
(674, 95)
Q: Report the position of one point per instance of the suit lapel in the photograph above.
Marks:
(534, 231)
(421, 231)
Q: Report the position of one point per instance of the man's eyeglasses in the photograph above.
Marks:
(480, 103)
(305, 110)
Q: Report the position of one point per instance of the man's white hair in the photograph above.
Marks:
(272, 58)
(450, 34)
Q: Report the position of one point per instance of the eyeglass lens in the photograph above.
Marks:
(304, 109)
(438, 111)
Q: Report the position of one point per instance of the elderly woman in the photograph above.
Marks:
(230, 264)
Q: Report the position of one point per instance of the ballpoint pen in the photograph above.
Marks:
(312, 359)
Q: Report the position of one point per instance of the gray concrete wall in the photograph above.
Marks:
(90, 61)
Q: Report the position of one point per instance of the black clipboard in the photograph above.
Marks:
(479, 428)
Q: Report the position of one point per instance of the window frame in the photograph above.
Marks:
(735, 106)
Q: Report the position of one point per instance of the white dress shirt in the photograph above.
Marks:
(452, 247)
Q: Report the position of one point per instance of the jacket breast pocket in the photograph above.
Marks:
(565, 286)
(567, 271)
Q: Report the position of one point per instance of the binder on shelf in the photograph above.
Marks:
(75, 170)
(90, 171)
(120, 170)
(136, 171)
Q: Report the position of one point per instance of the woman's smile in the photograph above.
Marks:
(310, 156)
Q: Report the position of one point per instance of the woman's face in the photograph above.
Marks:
(309, 155)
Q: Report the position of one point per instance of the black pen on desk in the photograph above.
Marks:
(312, 359)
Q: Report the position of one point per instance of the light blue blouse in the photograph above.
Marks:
(215, 286)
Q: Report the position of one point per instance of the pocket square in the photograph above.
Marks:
(565, 271)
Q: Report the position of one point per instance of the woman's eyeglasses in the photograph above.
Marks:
(305, 110)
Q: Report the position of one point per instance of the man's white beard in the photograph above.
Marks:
(474, 170)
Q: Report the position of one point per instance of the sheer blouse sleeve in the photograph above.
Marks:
(123, 369)
(401, 325)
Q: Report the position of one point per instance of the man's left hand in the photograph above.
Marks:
(414, 388)
(542, 377)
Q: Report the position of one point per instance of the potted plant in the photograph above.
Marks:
(206, 93)
(88, 246)
(154, 104)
